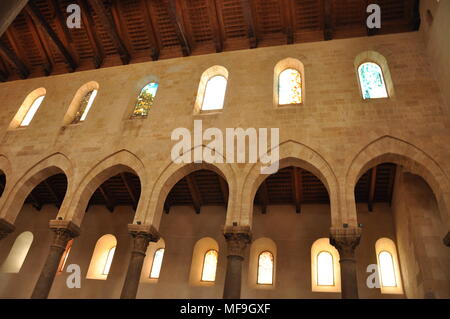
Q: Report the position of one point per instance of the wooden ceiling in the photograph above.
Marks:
(115, 32)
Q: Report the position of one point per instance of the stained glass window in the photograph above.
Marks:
(265, 268)
(157, 262)
(145, 100)
(371, 80)
(33, 109)
(214, 93)
(387, 270)
(289, 87)
(210, 265)
(325, 271)
(85, 106)
(109, 260)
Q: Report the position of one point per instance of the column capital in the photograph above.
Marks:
(142, 235)
(446, 239)
(345, 240)
(5, 228)
(64, 231)
(237, 237)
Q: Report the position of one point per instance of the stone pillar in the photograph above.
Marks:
(345, 240)
(63, 232)
(446, 239)
(237, 237)
(5, 228)
(142, 236)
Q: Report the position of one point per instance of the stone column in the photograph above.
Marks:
(237, 237)
(345, 240)
(446, 239)
(63, 232)
(142, 236)
(5, 228)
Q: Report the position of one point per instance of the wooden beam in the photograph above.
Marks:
(391, 183)
(224, 190)
(88, 23)
(327, 20)
(179, 28)
(61, 26)
(215, 25)
(263, 197)
(109, 202)
(3, 76)
(110, 27)
(35, 201)
(39, 20)
(288, 7)
(297, 188)
(14, 60)
(58, 201)
(373, 179)
(195, 193)
(156, 50)
(130, 190)
(248, 15)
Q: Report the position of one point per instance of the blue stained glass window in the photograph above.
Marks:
(145, 100)
(371, 80)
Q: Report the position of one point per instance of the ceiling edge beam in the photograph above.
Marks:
(179, 28)
(218, 42)
(109, 203)
(373, 179)
(327, 20)
(156, 50)
(130, 190)
(248, 15)
(14, 60)
(195, 193)
(297, 188)
(88, 22)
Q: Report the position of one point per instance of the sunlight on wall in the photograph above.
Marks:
(325, 268)
(102, 257)
(388, 266)
(18, 253)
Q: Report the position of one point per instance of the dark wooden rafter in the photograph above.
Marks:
(51, 190)
(61, 25)
(195, 193)
(215, 25)
(224, 189)
(39, 20)
(372, 184)
(297, 188)
(88, 23)
(327, 20)
(248, 15)
(391, 183)
(14, 60)
(263, 197)
(288, 9)
(130, 190)
(35, 202)
(108, 200)
(155, 48)
(108, 23)
(176, 18)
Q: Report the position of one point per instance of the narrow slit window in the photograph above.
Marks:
(157, 263)
(210, 265)
(145, 100)
(265, 268)
(109, 260)
(214, 93)
(290, 87)
(372, 81)
(64, 257)
(325, 271)
(32, 111)
(85, 106)
(387, 270)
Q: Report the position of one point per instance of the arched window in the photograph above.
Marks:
(32, 111)
(214, 93)
(325, 271)
(372, 81)
(65, 255)
(289, 87)
(210, 265)
(265, 268)
(145, 100)
(102, 257)
(18, 253)
(388, 266)
(85, 106)
(157, 263)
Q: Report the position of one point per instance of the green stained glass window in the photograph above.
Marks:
(289, 87)
(371, 80)
(145, 100)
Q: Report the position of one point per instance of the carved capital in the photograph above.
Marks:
(64, 231)
(5, 228)
(237, 237)
(345, 240)
(446, 239)
(142, 236)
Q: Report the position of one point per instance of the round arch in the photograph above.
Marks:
(75, 104)
(292, 153)
(53, 164)
(413, 159)
(121, 161)
(173, 172)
